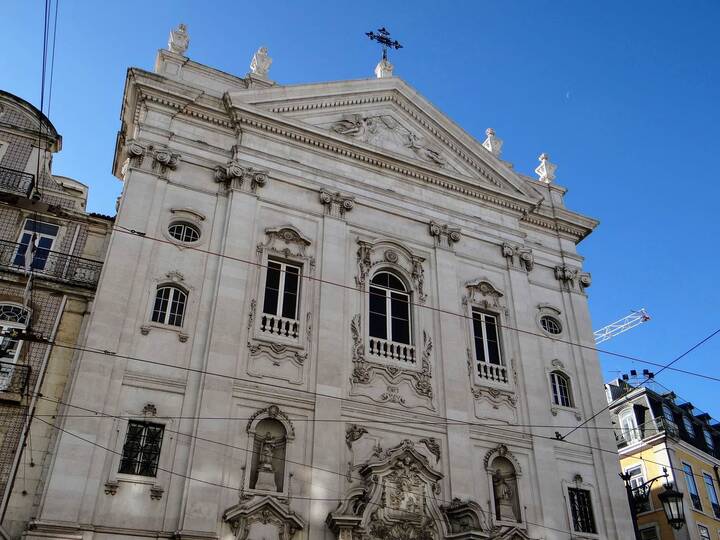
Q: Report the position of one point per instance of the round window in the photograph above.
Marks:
(184, 232)
(550, 324)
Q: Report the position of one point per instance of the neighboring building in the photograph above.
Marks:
(655, 431)
(66, 267)
(321, 275)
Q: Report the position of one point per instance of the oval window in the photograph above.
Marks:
(550, 324)
(184, 232)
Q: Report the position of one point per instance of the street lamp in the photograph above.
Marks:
(671, 500)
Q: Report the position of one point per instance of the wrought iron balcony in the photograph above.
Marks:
(16, 182)
(14, 377)
(52, 265)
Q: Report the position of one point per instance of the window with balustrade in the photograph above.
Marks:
(390, 319)
(489, 363)
(281, 299)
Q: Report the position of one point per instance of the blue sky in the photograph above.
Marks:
(622, 95)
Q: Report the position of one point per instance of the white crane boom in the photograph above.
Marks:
(622, 325)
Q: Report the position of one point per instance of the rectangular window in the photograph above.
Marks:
(486, 337)
(704, 532)
(636, 481)
(581, 509)
(141, 450)
(709, 440)
(692, 487)
(282, 287)
(712, 494)
(45, 234)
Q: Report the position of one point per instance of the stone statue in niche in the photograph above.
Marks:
(507, 503)
(268, 469)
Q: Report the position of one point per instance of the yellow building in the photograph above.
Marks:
(656, 432)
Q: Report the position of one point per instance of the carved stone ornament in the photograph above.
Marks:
(374, 374)
(111, 487)
(260, 63)
(271, 411)
(156, 492)
(484, 293)
(502, 451)
(546, 170)
(495, 396)
(240, 177)
(384, 69)
(287, 241)
(492, 144)
(517, 254)
(175, 276)
(567, 274)
(278, 352)
(433, 446)
(444, 235)
(179, 40)
(395, 497)
(353, 432)
(336, 204)
(149, 409)
(251, 518)
(164, 159)
(584, 279)
(371, 255)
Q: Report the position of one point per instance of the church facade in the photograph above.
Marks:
(328, 312)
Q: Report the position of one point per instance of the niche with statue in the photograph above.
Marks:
(503, 472)
(270, 432)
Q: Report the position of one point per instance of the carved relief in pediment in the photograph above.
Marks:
(386, 132)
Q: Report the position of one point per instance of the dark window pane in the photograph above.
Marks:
(161, 303)
(289, 305)
(479, 336)
(141, 450)
(22, 249)
(271, 301)
(377, 301)
(400, 330)
(491, 335)
(381, 279)
(394, 283)
(400, 306)
(378, 325)
(273, 276)
(291, 280)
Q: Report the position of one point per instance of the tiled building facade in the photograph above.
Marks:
(65, 268)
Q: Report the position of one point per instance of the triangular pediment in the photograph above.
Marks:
(387, 117)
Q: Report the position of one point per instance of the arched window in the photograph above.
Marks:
(169, 305)
(389, 308)
(561, 389)
(13, 318)
(628, 425)
(268, 460)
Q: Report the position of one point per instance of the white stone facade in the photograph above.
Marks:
(342, 180)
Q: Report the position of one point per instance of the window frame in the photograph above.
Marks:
(690, 478)
(186, 225)
(475, 310)
(649, 526)
(284, 264)
(40, 235)
(712, 494)
(175, 288)
(5, 325)
(146, 426)
(591, 506)
(555, 320)
(640, 479)
(388, 293)
(561, 375)
(702, 527)
(632, 435)
(689, 426)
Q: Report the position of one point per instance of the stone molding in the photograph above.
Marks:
(274, 412)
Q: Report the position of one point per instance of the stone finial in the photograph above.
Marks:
(492, 143)
(179, 40)
(546, 170)
(384, 69)
(260, 64)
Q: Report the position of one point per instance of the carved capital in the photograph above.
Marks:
(522, 255)
(566, 274)
(336, 204)
(444, 234)
(239, 177)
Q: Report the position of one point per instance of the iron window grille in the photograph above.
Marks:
(169, 306)
(561, 393)
(582, 511)
(141, 451)
(184, 232)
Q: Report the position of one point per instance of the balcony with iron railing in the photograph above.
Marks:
(16, 182)
(650, 429)
(13, 379)
(51, 265)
